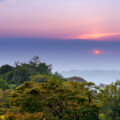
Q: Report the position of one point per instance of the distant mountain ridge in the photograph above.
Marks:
(97, 76)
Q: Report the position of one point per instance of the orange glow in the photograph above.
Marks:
(96, 52)
(95, 36)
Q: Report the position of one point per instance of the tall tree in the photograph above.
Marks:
(111, 107)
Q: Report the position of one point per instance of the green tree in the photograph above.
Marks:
(18, 76)
(58, 100)
(4, 101)
(111, 107)
(44, 69)
(5, 68)
(4, 85)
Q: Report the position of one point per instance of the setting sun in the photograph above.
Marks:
(96, 52)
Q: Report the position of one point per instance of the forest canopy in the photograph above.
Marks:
(31, 91)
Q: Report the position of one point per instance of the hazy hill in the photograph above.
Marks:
(97, 76)
(76, 79)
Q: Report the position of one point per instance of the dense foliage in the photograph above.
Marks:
(30, 91)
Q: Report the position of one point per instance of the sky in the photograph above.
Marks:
(69, 34)
(63, 19)
(62, 54)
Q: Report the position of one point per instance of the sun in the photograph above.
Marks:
(96, 52)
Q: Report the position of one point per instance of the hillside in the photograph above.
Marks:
(76, 79)
(97, 76)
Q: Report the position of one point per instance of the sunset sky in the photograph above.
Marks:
(64, 19)
(70, 34)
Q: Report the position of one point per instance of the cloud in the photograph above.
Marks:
(96, 36)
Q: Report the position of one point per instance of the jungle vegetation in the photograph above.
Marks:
(30, 91)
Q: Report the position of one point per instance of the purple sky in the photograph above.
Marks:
(24, 25)
(63, 19)
(62, 54)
